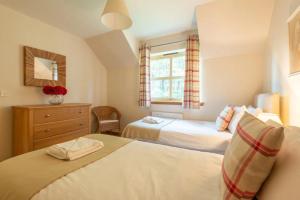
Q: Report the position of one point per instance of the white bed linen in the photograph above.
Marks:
(142, 171)
(197, 135)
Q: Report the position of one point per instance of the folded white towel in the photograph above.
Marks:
(152, 120)
(74, 149)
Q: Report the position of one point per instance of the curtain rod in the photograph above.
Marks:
(168, 43)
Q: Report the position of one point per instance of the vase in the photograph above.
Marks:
(56, 99)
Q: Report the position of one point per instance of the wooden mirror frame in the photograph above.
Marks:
(29, 55)
(293, 46)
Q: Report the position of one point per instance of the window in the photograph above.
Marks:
(167, 77)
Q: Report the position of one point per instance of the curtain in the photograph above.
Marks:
(191, 86)
(144, 62)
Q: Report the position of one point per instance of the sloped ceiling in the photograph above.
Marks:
(229, 27)
(82, 17)
(155, 18)
(226, 27)
(113, 50)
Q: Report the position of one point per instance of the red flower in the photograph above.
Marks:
(49, 90)
(55, 90)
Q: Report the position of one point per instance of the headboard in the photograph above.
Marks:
(268, 102)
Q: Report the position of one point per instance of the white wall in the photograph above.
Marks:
(232, 80)
(118, 52)
(123, 93)
(86, 76)
(278, 79)
(233, 60)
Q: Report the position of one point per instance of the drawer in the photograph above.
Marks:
(38, 144)
(43, 131)
(59, 114)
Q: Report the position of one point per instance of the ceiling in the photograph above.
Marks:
(230, 27)
(113, 50)
(226, 27)
(151, 18)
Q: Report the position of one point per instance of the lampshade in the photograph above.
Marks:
(115, 15)
(269, 103)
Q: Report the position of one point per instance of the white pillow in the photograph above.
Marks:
(238, 114)
(269, 116)
(254, 111)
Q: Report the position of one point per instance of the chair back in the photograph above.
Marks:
(106, 113)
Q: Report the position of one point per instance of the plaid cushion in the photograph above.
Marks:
(249, 158)
(224, 118)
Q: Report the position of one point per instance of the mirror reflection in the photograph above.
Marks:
(45, 69)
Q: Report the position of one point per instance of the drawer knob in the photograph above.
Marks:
(80, 124)
(80, 112)
(47, 115)
(47, 130)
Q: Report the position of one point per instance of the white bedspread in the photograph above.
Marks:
(192, 134)
(142, 171)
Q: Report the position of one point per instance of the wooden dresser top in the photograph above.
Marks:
(52, 106)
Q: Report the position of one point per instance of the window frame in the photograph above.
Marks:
(168, 100)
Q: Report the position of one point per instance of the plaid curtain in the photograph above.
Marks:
(191, 86)
(144, 61)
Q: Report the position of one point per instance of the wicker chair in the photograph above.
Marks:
(108, 119)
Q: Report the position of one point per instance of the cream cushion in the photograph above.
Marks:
(238, 114)
(284, 180)
(254, 111)
(249, 158)
(108, 121)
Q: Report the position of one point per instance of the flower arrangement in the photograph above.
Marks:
(55, 90)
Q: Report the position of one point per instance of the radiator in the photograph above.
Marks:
(168, 115)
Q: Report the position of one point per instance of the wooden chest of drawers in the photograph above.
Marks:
(39, 126)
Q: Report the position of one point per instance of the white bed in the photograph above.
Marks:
(189, 134)
(139, 170)
(197, 135)
(142, 170)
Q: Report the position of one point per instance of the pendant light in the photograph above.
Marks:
(115, 15)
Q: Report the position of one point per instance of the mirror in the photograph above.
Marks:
(44, 68)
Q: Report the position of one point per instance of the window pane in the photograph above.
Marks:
(178, 66)
(160, 68)
(177, 88)
(160, 89)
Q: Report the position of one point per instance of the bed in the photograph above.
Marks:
(189, 134)
(201, 135)
(134, 170)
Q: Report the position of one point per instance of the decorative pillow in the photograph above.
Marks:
(284, 181)
(224, 118)
(249, 158)
(238, 114)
